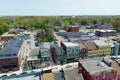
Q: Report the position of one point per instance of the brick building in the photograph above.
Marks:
(74, 29)
(12, 55)
(7, 37)
(105, 33)
(97, 69)
(58, 54)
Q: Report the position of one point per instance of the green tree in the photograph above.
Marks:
(50, 37)
(6, 27)
(94, 21)
(116, 23)
(84, 22)
(1, 30)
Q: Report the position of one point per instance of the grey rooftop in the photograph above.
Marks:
(94, 66)
(12, 48)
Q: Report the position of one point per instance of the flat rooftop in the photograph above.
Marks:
(48, 76)
(75, 26)
(72, 74)
(101, 43)
(70, 44)
(57, 75)
(7, 35)
(30, 76)
(12, 48)
(45, 45)
(107, 30)
(33, 55)
(46, 54)
(94, 66)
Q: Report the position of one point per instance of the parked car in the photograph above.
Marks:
(68, 66)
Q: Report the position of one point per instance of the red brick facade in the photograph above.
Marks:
(105, 34)
(6, 38)
(8, 64)
(108, 75)
(74, 29)
(11, 64)
(54, 54)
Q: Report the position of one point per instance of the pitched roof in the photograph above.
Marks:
(90, 45)
(82, 45)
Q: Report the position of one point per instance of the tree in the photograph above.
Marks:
(5, 27)
(94, 21)
(84, 22)
(116, 24)
(1, 30)
(50, 37)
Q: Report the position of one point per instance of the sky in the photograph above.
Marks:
(59, 7)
